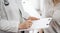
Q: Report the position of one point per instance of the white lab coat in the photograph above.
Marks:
(53, 12)
(9, 16)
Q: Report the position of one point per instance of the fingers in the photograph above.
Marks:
(28, 23)
(33, 18)
(25, 25)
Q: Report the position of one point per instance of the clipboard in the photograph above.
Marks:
(42, 23)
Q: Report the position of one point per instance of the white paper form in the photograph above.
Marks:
(42, 23)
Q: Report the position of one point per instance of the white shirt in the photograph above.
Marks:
(54, 12)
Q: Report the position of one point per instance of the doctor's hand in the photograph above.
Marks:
(28, 23)
(32, 18)
(25, 25)
(41, 30)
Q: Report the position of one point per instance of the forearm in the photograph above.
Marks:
(9, 26)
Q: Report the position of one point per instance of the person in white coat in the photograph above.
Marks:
(11, 18)
(52, 9)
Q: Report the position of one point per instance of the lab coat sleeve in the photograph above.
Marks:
(9, 26)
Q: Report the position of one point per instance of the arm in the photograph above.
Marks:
(9, 26)
(14, 25)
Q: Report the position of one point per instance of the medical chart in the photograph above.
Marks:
(42, 23)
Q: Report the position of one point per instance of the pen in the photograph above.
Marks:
(25, 18)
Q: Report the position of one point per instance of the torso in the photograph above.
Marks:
(56, 14)
(12, 10)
